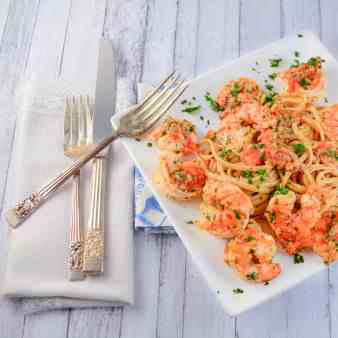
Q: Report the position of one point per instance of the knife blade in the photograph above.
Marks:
(105, 93)
(93, 258)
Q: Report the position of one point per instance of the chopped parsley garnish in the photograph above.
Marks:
(184, 101)
(300, 35)
(333, 153)
(273, 76)
(280, 190)
(312, 62)
(251, 276)
(296, 53)
(297, 258)
(299, 148)
(296, 63)
(237, 214)
(190, 222)
(275, 62)
(273, 217)
(149, 144)
(269, 99)
(237, 291)
(202, 118)
(180, 175)
(304, 83)
(235, 89)
(248, 175)
(224, 153)
(137, 139)
(326, 100)
(250, 238)
(191, 110)
(269, 86)
(191, 128)
(263, 174)
(212, 103)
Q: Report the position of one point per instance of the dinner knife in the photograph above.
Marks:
(93, 259)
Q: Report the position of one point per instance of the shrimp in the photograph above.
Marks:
(252, 155)
(327, 152)
(178, 179)
(235, 93)
(176, 136)
(330, 122)
(251, 254)
(293, 228)
(307, 78)
(325, 237)
(225, 209)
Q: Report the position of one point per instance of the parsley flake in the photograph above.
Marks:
(191, 110)
(237, 291)
(212, 103)
(250, 238)
(237, 214)
(149, 144)
(274, 63)
(263, 174)
(190, 222)
(333, 153)
(300, 35)
(304, 83)
(280, 190)
(224, 153)
(297, 258)
(299, 149)
(273, 76)
(248, 175)
(269, 86)
(251, 276)
(235, 89)
(296, 53)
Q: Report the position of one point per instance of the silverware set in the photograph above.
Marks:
(86, 251)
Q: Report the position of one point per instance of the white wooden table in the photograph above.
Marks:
(54, 38)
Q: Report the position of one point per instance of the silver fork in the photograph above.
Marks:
(135, 123)
(78, 137)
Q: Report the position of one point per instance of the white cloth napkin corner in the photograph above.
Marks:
(37, 255)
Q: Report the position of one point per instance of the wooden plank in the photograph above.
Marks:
(140, 320)
(160, 40)
(328, 19)
(300, 15)
(47, 324)
(171, 288)
(79, 51)
(329, 35)
(15, 44)
(203, 315)
(220, 43)
(260, 23)
(4, 12)
(258, 27)
(93, 324)
(47, 44)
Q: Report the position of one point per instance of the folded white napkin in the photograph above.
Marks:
(38, 249)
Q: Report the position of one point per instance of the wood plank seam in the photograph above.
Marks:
(32, 36)
(65, 40)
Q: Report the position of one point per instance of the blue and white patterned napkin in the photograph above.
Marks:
(148, 214)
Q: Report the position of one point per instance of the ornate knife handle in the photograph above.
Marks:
(30, 204)
(93, 258)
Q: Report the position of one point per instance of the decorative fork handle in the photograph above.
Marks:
(93, 258)
(25, 208)
(76, 244)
